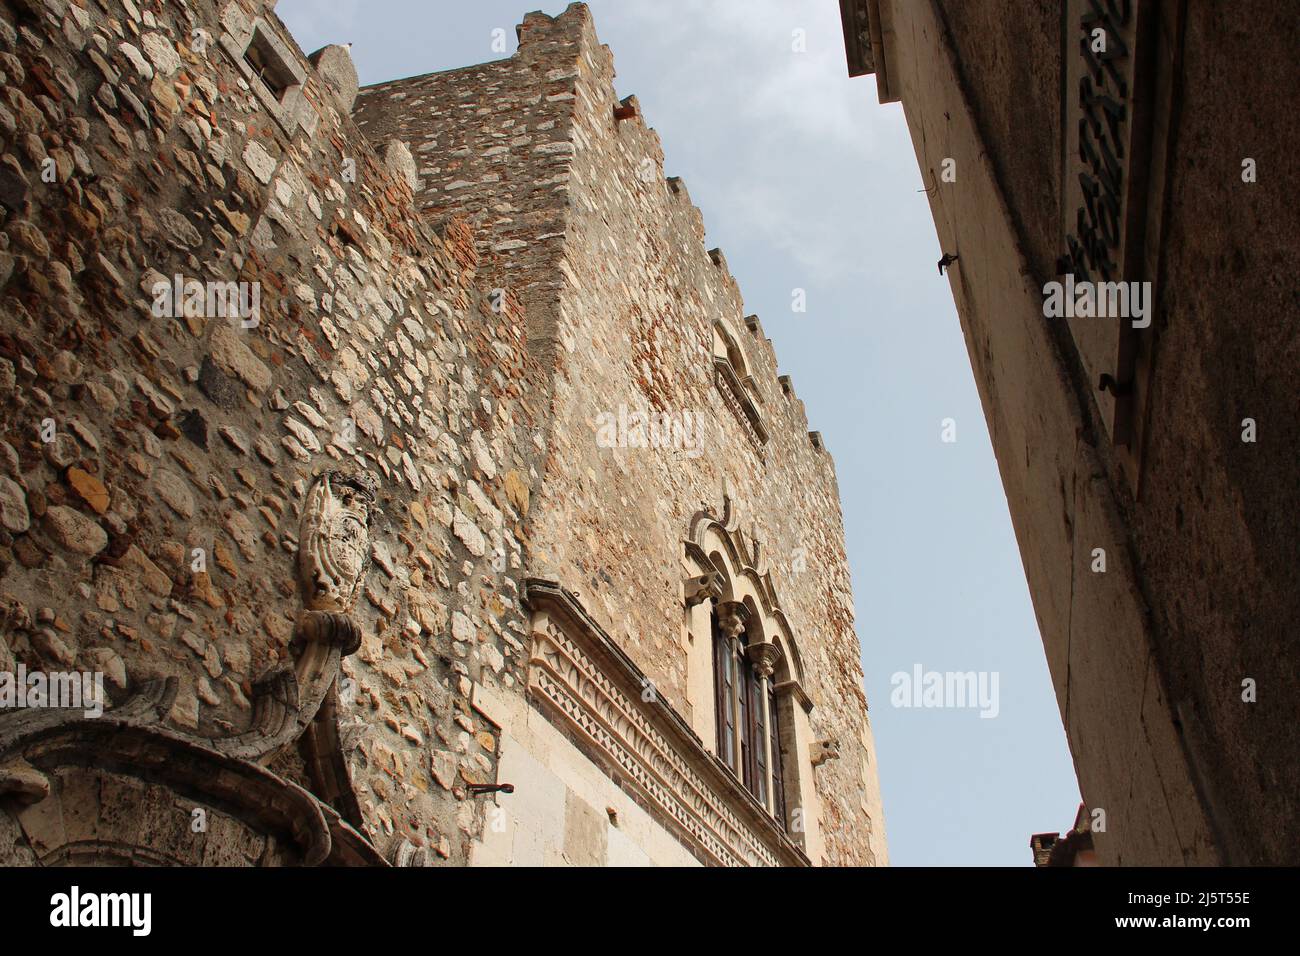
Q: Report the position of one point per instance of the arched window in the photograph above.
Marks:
(726, 346)
(749, 739)
(745, 672)
(736, 384)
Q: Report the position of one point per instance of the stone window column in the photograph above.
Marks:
(731, 624)
(764, 658)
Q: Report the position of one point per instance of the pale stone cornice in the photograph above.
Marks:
(795, 689)
(587, 685)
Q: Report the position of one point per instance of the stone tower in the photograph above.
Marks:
(406, 456)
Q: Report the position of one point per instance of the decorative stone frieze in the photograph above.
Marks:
(590, 688)
(737, 399)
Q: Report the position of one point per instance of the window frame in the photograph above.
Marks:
(285, 100)
(747, 721)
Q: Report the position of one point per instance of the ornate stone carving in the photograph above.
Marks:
(743, 559)
(764, 657)
(131, 750)
(149, 782)
(824, 750)
(333, 553)
(731, 619)
(702, 588)
(334, 540)
(592, 689)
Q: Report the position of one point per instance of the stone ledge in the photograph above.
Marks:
(586, 684)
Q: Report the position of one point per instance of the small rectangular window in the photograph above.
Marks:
(267, 66)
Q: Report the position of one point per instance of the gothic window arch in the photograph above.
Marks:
(727, 346)
(748, 705)
(736, 383)
(747, 716)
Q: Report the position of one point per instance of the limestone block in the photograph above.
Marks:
(334, 65)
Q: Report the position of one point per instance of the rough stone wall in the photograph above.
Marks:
(531, 148)
(452, 328)
(637, 328)
(491, 145)
(1147, 659)
(198, 433)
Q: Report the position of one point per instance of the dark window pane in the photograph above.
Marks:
(722, 694)
(778, 766)
(743, 719)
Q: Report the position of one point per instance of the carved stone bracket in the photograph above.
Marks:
(764, 657)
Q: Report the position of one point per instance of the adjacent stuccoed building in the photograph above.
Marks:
(1149, 460)
(471, 524)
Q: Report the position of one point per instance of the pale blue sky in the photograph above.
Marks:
(805, 181)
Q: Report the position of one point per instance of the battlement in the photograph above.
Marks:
(635, 319)
(526, 146)
(455, 280)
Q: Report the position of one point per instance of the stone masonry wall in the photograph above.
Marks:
(377, 343)
(450, 318)
(622, 297)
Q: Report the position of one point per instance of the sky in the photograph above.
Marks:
(806, 181)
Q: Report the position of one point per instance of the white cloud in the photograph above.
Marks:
(796, 131)
(327, 15)
(745, 47)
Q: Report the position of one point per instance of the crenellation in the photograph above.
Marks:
(442, 287)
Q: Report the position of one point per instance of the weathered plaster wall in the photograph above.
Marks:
(1216, 526)
(1010, 69)
(1147, 659)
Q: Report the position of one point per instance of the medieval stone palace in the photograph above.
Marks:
(394, 476)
